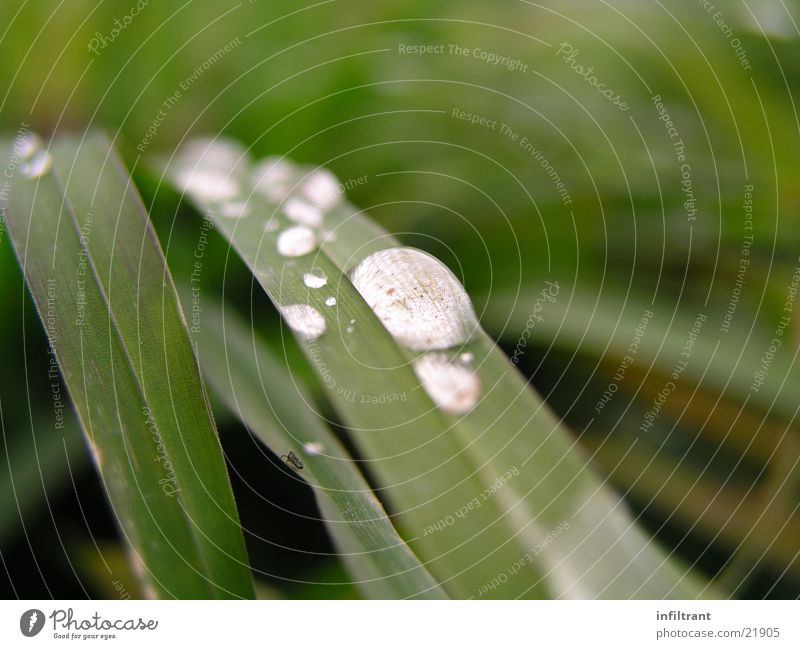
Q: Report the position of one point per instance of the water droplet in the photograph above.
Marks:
(313, 448)
(302, 212)
(322, 189)
(453, 388)
(296, 241)
(272, 177)
(330, 301)
(220, 153)
(305, 320)
(315, 279)
(353, 321)
(208, 184)
(205, 168)
(350, 329)
(417, 298)
(234, 209)
(37, 165)
(27, 145)
(466, 358)
(272, 170)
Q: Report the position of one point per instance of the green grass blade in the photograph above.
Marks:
(257, 388)
(498, 501)
(102, 289)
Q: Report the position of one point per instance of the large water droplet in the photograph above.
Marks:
(322, 189)
(302, 212)
(315, 279)
(418, 299)
(305, 320)
(296, 241)
(452, 387)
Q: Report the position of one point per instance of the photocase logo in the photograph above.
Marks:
(31, 622)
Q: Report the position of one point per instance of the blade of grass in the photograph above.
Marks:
(499, 502)
(714, 398)
(260, 391)
(99, 280)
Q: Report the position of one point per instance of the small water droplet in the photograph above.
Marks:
(302, 212)
(208, 184)
(219, 153)
(353, 321)
(452, 387)
(234, 209)
(350, 329)
(313, 448)
(418, 299)
(296, 241)
(330, 301)
(27, 145)
(271, 170)
(272, 177)
(305, 320)
(466, 358)
(37, 165)
(322, 189)
(206, 168)
(315, 279)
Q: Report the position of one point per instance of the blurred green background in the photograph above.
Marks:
(334, 84)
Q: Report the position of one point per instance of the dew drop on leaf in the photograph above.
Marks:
(452, 387)
(322, 189)
(296, 241)
(315, 279)
(273, 178)
(37, 165)
(205, 168)
(418, 299)
(303, 213)
(313, 448)
(305, 320)
(234, 209)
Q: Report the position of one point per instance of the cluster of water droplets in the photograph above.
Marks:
(303, 202)
(34, 159)
(426, 309)
(217, 173)
(304, 205)
(416, 297)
